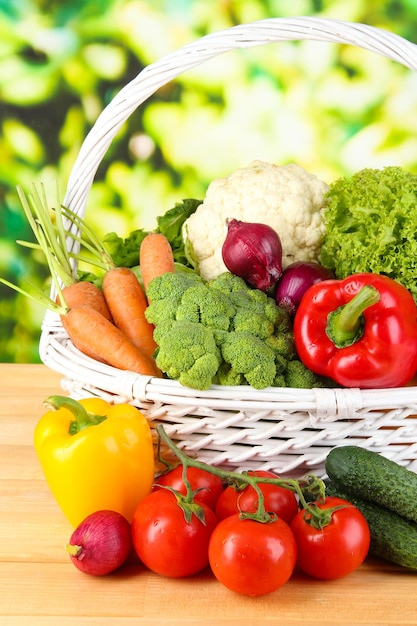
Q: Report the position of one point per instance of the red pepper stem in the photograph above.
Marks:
(345, 325)
(82, 419)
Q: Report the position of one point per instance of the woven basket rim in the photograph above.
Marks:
(54, 350)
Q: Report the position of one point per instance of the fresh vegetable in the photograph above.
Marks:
(254, 252)
(95, 456)
(124, 252)
(299, 376)
(286, 198)
(94, 335)
(206, 487)
(371, 223)
(127, 303)
(171, 533)
(373, 477)
(220, 331)
(238, 498)
(254, 552)
(393, 537)
(51, 233)
(360, 331)
(294, 282)
(252, 558)
(101, 543)
(155, 257)
(335, 548)
(84, 294)
(82, 307)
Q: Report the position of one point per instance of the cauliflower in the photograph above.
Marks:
(287, 198)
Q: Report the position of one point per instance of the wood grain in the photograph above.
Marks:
(39, 586)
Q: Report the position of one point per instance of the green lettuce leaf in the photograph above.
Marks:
(371, 225)
(125, 252)
(171, 224)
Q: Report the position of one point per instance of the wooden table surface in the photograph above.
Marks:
(40, 586)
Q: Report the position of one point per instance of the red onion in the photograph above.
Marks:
(101, 543)
(294, 282)
(253, 252)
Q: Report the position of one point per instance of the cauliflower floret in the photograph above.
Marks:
(287, 198)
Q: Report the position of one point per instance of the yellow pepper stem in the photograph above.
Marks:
(82, 419)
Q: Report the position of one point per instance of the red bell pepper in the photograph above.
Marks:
(360, 331)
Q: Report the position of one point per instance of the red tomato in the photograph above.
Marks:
(209, 485)
(277, 499)
(250, 557)
(338, 548)
(164, 541)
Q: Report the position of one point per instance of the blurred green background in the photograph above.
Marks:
(333, 109)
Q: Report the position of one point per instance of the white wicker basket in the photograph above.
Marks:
(286, 430)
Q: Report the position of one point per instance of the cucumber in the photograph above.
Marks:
(372, 477)
(393, 537)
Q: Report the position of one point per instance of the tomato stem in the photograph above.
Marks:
(310, 484)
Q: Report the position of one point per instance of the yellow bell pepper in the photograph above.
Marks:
(95, 455)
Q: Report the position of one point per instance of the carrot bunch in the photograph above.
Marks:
(108, 324)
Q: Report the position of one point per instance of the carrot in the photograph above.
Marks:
(84, 293)
(155, 257)
(127, 304)
(96, 336)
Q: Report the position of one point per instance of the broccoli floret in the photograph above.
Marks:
(298, 375)
(208, 307)
(228, 376)
(165, 292)
(250, 356)
(255, 312)
(283, 344)
(228, 283)
(279, 381)
(253, 322)
(187, 352)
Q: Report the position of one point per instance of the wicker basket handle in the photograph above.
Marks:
(158, 74)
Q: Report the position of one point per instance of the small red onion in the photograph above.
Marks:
(294, 282)
(101, 543)
(254, 252)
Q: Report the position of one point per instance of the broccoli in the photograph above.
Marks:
(255, 311)
(283, 345)
(165, 293)
(298, 375)
(187, 352)
(251, 357)
(253, 322)
(210, 308)
(228, 376)
(228, 283)
(221, 331)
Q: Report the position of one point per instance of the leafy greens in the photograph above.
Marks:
(371, 225)
(125, 252)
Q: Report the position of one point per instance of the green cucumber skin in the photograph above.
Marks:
(371, 476)
(393, 537)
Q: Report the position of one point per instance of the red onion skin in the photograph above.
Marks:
(294, 282)
(254, 252)
(101, 543)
